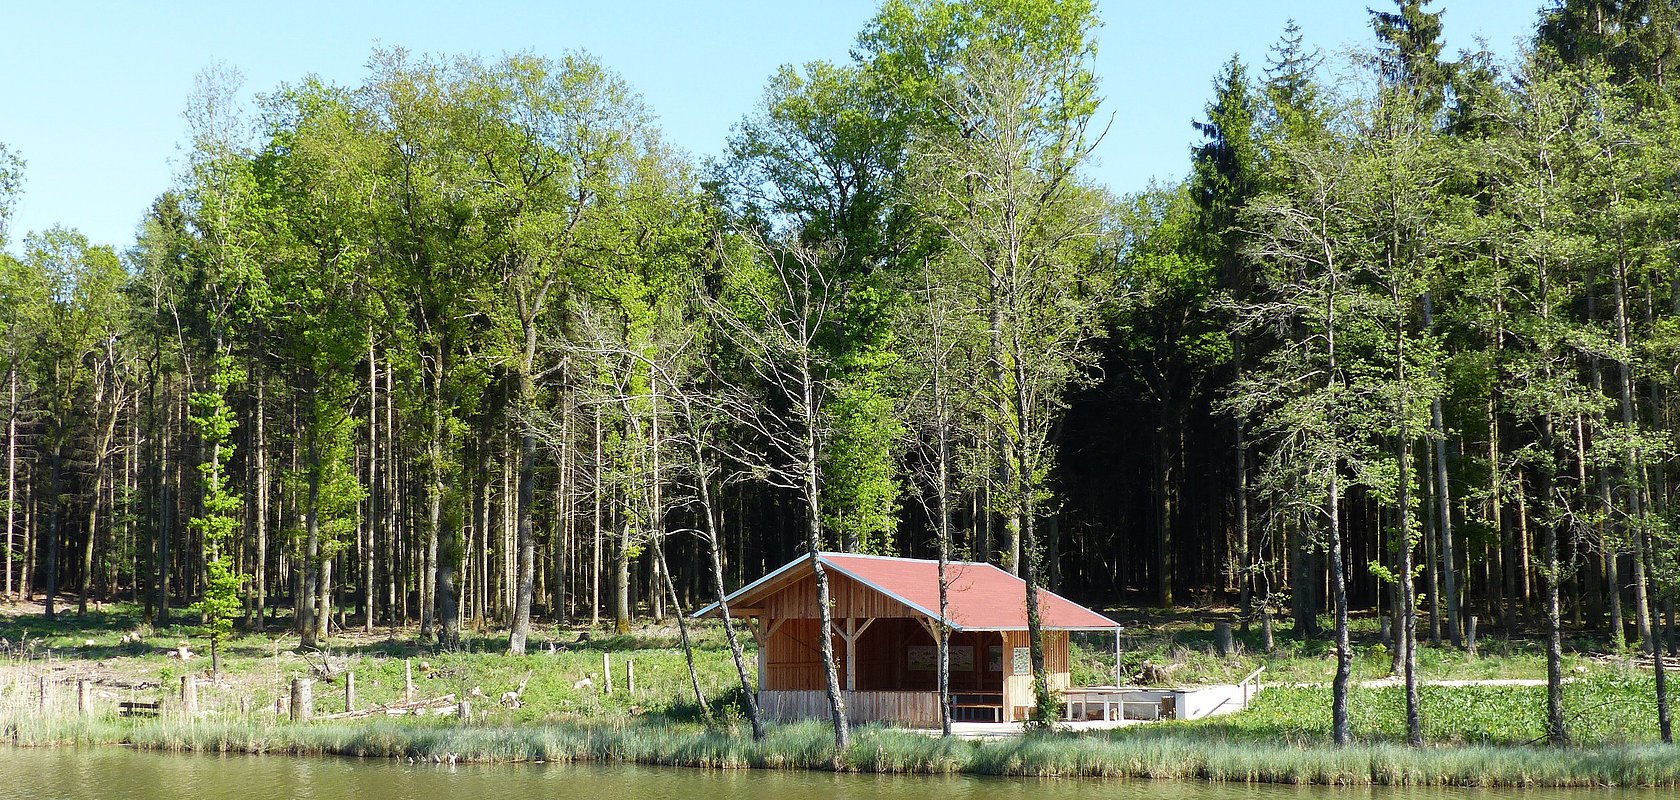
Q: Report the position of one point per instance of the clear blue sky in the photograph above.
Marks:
(91, 93)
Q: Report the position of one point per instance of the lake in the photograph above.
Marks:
(116, 773)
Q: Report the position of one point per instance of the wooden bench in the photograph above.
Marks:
(134, 708)
(965, 704)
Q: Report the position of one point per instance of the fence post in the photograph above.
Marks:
(1470, 636)
(189, 694)
(84, 697)
(349, 691)
(630, 676)
(303, 699)
(606, 669)
(408, 680)
(46, 694)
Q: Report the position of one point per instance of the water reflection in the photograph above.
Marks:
(111, 772)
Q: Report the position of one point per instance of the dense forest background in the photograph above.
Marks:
(468, 344)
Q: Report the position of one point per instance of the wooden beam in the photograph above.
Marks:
(850, 635)
(929, 625)
(851, 655)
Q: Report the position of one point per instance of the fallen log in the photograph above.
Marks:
(417, 708)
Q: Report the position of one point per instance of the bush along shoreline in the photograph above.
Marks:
(1155, 752)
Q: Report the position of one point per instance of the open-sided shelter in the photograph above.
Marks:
(885, 611)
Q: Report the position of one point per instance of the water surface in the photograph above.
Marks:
(116, 773)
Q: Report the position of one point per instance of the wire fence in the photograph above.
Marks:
(38, 684)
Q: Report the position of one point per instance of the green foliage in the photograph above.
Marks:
(219, 523)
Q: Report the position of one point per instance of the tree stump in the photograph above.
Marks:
(189, 695)
(1470, 636)
(630, 676)
(606, 670)
(303, 699)
(84, 697)
(408, 680)
(349, 691)
(463, 710)
(1224, 643)
(45, 696)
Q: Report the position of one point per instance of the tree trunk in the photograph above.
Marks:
(55, 479)
(527, 544)
(308, 618)
(813, 541)
(1163, 507)
(1631, 466)
(595, 533)
(621, 578)
(1341, 727)
(1443, 497)
(11, 475)
(682, 631)
(259, 516)
(748, 695)
(1557, 731)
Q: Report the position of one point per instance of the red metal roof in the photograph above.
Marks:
(982, 596)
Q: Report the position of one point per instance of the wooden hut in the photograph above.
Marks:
(885, 612)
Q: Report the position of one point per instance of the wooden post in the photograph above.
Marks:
(1116, 667)
(408, 680)
(606, 669)
(189, 694)
(46, 695)
(349, 691)
(303, 699)
(1470, 636)
(84, 697)
(850, 637)
(630, 676)
(245, 706)
(463, 710)
(1224, 642)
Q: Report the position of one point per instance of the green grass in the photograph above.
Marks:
(1604, 711)
(1177, 648)
(258, 668)
(1480, 736)
(1193, 753)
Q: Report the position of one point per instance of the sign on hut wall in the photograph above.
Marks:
(925, 658)
(1022, 661)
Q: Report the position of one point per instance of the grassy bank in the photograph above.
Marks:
(1157, 752)
(1480, 735)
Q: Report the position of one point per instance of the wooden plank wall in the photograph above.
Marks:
(1018, 689)
(793, 656)
(850, 599)
(909, 708)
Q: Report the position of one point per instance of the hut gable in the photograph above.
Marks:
(982, 597)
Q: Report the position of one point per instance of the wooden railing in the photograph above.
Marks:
(909, 708)
(1250, 685)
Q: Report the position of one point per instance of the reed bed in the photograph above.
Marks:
(1189, 753)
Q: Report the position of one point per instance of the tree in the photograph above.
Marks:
(1002, 186)
(820, 160)
(83, 283)
(11, 183)
(1300, 394)
(776, 300)
(1226, 174)
(1537, 191)
(219, 523)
